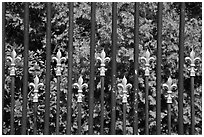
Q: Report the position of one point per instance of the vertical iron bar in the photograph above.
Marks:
(25, 68)
(124, 118)
(3, 58)
(70, 52)
(192, 107)
(35, 119)
(181, 62)
(79, 118)
(58, 105)
(113, 84)
(12, 104)
(136, 53)
(92, 56)
(169, 118)
(48, 68)
(102, 104)
(158, 70)
(146, 106)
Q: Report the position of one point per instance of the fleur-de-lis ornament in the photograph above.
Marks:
(13, 58)
(103, 59)
(59, 60)
(80, 85)
(147, 60)
(169, 87)
(192, 59)
(124, 86)
(36, 85)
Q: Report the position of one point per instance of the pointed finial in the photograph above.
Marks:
(59, 60)
(146, 58)
(103, 59)
(124, 86)
(36, 85)
(12, 59)
(80, 85)
(80, 80)
(147, 54)
(169, 87)
(192, 54)
(192, 59)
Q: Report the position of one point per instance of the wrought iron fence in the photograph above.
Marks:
(102, 58)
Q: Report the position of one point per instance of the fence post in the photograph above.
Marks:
(36, 85)
(70, 52)
(158, 69)
(25, 68)
(58, 70)
(169, 97)
(48, 68)
(3, 58)
(124, 86)
(103, 59)
(12, 58)
(136, 65)
(181, 63)
(12, 132)
(147, 60)
(192, 60)
(92, 59)
(114, 67)
(80, 85)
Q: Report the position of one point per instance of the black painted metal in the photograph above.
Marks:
(136, 66)
(114, 67)
(92, 59)
(25, 68)
(58, 105)
(158, 69)
(35, 118)
(79, 118)
(192, 107)
(181, 63)
(70, 60)
(169, 118)
(124, 118)
(102, 106)
(48, 68)
(3, 57)
(12, 132)
(92, 76)
(146, 105)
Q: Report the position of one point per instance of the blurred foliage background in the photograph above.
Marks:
(81, 62)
